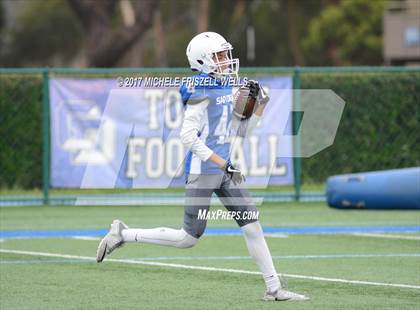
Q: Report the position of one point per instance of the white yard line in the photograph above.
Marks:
(311, 256)
(279, 235)
(319, 256)
(390, 236)
(44, 261)
(204, 268)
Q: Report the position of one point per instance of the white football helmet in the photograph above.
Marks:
(204, 55)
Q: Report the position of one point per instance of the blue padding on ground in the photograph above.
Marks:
(390, 189)
(217, 231)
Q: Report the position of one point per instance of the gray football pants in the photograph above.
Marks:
(199, 190)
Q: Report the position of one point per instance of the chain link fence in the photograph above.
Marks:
(378, 130)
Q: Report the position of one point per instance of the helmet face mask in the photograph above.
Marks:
(225, 64)
(209, 52)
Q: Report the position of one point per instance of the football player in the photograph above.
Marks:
(207, 131)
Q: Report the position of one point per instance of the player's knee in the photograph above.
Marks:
(253, 230)
(187, 241)
(194, 228)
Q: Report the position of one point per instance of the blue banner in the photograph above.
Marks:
(106, 136)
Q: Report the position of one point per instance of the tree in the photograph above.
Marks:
(293, 34)
(107, 38)
(44, 34)
(202, 15)
(347, 33)
(1, 15)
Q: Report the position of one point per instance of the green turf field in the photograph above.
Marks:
(60, 273)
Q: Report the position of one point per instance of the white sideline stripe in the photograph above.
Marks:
(390, 236)
(86, 238)
(131, 261)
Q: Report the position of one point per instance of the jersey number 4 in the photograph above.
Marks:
(223, 127)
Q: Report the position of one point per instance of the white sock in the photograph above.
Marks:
(163, 236)
(259, 251)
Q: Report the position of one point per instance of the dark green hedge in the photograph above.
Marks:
(379, 128)
(20, 131)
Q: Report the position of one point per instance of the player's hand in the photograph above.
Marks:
(234, 174)
(254, 88)
(263, 97)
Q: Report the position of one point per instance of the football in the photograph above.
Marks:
(243, 104)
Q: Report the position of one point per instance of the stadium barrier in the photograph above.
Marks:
(387, 189)
(378, 130)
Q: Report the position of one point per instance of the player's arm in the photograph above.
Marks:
(235, 174)
(219, 161)
(258, 93)
(259, 110)
(245, 126)
(196, 102)
(189, 134)
(191, 127)
(190, 139)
